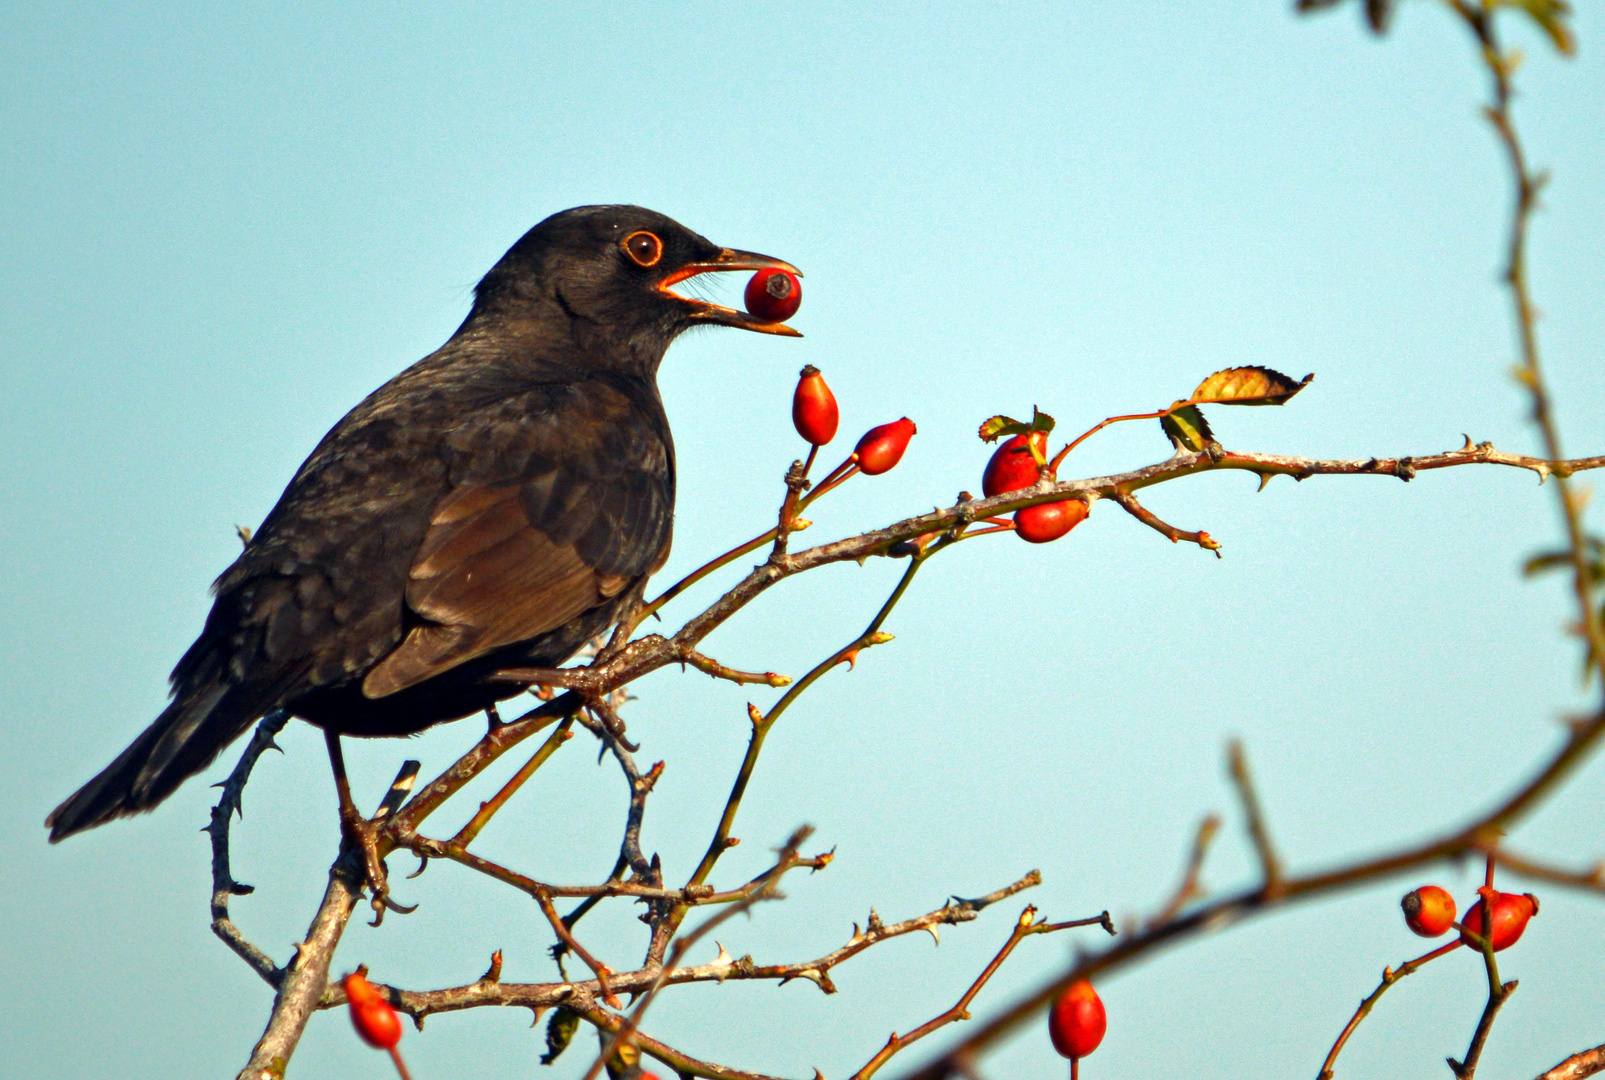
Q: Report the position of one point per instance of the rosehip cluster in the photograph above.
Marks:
(1014, 466)
(1076, 1023)
(816, 417)
(1430, 912)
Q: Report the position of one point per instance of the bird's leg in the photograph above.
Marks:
(358, 830)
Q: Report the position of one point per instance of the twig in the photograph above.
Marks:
(1579, 1066)
(1025, 926)
(223, 884)
(766, 891)
(1591, 880)
(1270, 862)
(1389, 977)
(488, 810)
(762, 723)
(599, 969)
(300, 990)
(1189, 889)
(545, 995)
(1129, 503)
(1231, 909)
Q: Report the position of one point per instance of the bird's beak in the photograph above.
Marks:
(728, 259)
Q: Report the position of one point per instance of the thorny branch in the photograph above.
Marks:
(223, 884)
(302, 984)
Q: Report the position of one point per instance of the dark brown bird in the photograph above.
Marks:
(495, 505)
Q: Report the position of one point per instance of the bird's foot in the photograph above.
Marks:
(363, 835)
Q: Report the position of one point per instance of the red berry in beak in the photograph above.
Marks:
(774, 295)
(1077, 1021)
(371, 1014)
(1511, 912)
(1429, 911)
(1012, 466)
(813, 408)
(1045, 522)
(882, 447)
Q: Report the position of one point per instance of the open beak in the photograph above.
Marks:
(728, 259)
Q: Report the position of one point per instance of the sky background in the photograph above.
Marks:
(221, 226)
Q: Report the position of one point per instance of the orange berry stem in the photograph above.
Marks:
(401, 1067)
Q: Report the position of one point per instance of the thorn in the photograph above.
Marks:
(1264, 480)
(244, 533)
(936, 937)
(851, 659)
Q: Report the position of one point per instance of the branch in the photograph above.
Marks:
(1474, 837)
(223, 883)
(1128, 502)
(1579, 1066)
(1389, 977)
(1023, 928)
(1189, 889)
(420, 1004)
(305, 977)
(1270, 862)
(765, 891)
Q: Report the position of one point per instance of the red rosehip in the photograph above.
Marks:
(882, 447)
(1511, 912)
(1429, 911)
(1012, 466)
(1076, 1022)
(1048, 521)
(774, 295)
(813, 408)
(371, 1014)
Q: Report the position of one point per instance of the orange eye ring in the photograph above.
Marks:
(643, 248)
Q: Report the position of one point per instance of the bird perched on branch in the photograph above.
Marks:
(495, 505)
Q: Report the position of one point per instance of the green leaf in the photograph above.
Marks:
(1187, 427)
(1248, 386)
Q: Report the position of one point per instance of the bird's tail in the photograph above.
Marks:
(186, 737)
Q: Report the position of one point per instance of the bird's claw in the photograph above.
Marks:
(364, 836)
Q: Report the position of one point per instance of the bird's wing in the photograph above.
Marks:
(545, 522)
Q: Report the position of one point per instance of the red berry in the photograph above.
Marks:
(1048, 521)
(1012, 466)
(813, 408)
(774, 295)
(882, 447)
(1076, 1022)
(1511, 912)
(1429, 911)
(371, 1014)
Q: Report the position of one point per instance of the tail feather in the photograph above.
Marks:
(186, 737)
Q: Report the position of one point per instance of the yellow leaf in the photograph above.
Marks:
(1247, 386)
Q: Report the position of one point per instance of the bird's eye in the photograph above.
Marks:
(643, 248)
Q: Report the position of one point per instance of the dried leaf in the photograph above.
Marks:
(1594, 553)
(560, 1028)
(1550, 15)
(1187, 427)
(1248, 386)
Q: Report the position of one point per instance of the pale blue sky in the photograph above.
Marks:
(220, 227)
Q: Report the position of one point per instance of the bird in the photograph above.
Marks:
(497, 504)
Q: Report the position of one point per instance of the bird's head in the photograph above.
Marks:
(608, 274)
